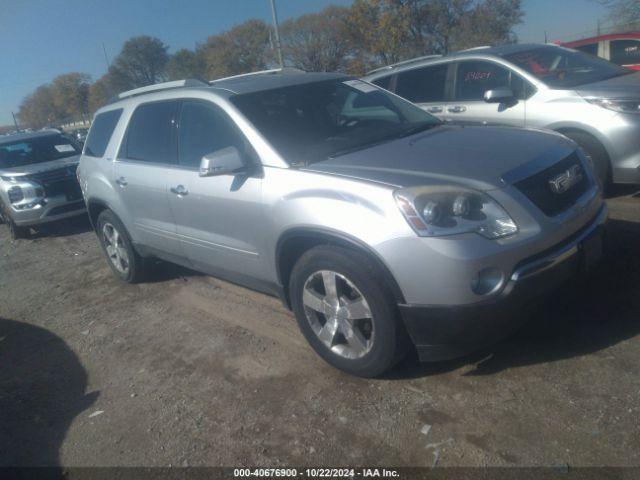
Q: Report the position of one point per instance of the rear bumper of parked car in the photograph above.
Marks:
(445, 332)
(54, 208)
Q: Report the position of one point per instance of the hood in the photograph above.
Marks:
(40, 167)
(624, 86)
(476, 157)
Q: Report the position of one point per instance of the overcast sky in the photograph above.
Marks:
(40, 39)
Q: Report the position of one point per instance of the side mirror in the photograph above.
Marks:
(499, 95)
(221, 162)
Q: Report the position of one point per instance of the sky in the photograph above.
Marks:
(40, 39)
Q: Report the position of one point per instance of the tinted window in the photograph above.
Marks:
(204, 128)
(36, 150)
(423, 84)
(563, 68)
(100, 133)
(383, 82)
(151, 133)
(625, 52)
(474, 78)
(590, 48)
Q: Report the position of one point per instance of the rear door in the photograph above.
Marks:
(426, 87)
(220, 219)
(141, 171)
(475, 77)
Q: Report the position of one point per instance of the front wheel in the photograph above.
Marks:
(596, 154)
(124, 261)
(346, 312)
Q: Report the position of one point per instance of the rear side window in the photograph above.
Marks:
(422, 85)
(204, 129)
(100, 133)
(151, 133)
(625, 52)
(590, 48)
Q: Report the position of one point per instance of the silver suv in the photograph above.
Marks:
(590, 100)
(375, 222)
(38, 180)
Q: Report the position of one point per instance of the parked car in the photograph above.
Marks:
(38, 180)
(367, 216)
(622, 48)
(590, 100)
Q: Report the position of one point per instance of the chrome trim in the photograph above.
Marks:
(559, 256)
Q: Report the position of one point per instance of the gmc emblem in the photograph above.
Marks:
(567, 179)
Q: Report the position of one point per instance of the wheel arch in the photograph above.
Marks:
(293, 243)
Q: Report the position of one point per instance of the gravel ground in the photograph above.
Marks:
(189, 370)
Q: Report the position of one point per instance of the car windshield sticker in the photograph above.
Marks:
(360, 85)
(65, 148)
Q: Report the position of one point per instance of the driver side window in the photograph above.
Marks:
(475, 77)
(204, 128)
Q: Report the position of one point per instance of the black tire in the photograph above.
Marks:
(15, 231)
(135, 264)
(390, 341)
(596, 152)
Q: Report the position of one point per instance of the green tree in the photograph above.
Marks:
(243, 49)
(70, 94)
(185, 64)
(141, 62)
(317, 41)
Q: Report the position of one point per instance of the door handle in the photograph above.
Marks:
(121, 181)
(457, 109)
(434, 109)
(179, 190)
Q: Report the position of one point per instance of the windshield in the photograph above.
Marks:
(36, 150)
(561, 68)
(314, 121)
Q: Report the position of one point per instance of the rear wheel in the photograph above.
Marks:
(346, 312)
(596, 153)
(124, 261)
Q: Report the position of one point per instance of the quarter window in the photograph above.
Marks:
(423, 85)
(151, 133)
(100, 133)
(625, 52)
(205, 128)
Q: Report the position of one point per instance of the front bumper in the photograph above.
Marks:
(54, 208)
(445, 332)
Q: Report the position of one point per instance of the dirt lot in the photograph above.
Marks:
(189, 370)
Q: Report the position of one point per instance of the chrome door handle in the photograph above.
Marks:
(434, 109)
(457, 109)
(121, 181)
(179, 190)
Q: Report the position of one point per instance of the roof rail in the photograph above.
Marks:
(189, 82)
(271, 71)
(404, 62)
(481, 47)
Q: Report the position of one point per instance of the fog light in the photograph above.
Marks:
(487, 281)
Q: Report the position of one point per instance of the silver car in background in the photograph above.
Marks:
(594, 102)
(372, 220)
(38, 180)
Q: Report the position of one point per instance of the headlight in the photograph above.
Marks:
(15, 194)
(621, 105)
(441, 210)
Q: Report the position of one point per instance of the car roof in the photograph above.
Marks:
(498, 51)
(269, 81)
(16, 137)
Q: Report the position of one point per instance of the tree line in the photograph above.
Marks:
(353, 39)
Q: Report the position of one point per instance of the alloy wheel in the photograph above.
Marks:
(338, 313)
(115, 247)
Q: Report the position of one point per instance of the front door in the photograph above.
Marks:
(472, 79)
(140, 175)
(220, 219)
(426, 87)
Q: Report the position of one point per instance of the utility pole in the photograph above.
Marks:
(15, 122)
(106, 57)
(276, 32)
(545, 37)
